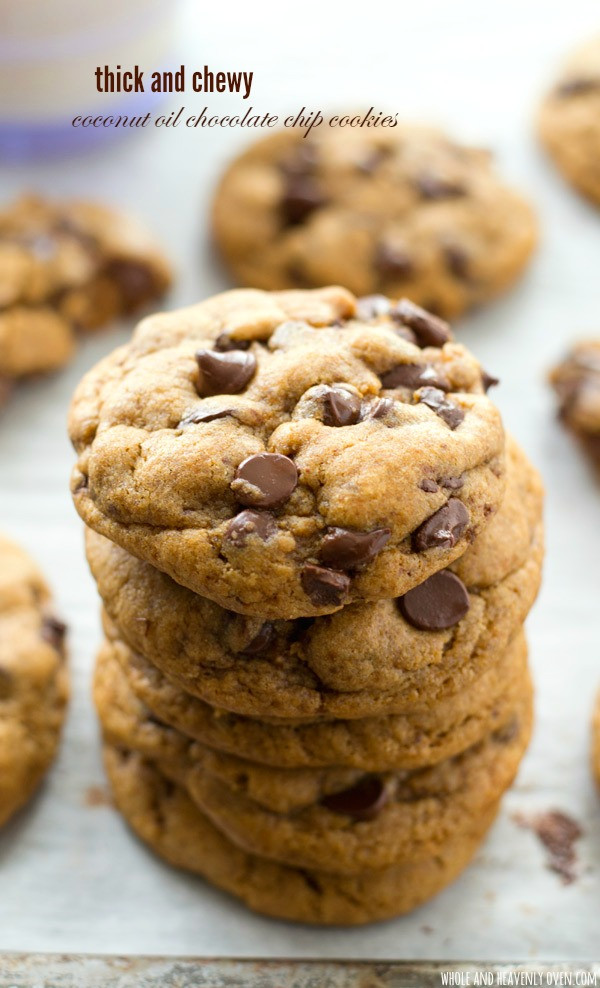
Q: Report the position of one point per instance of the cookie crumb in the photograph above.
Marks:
(97, 796)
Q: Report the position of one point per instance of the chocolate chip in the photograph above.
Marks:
(225, 342)
(260, 641)
(262, 524)
(135, 281)
(429, 329)
(435, 187)
(435, 399)
(440, 602)
(205, 415)
(7, 683)
(414, 376)
(325, 587)
(453, 483)
(302, 161)
(443, 529)
(363, 801)
(53, 632)
(340, 407)
(224, 373)
(372, 161)
(376, 409)
(575, 87)
(487, 381)
(392, 261)
(372, 306)
(343, 549)
(302, 197)
(429, 486)
(457, 260)
(265, 480)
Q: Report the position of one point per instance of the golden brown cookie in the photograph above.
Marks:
(576, 381)
(402, 211)
(33, 678)
(285, 454)
(164, 816)
(569, 121)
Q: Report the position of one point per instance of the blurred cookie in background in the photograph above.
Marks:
(596, 742)
(66, 268)
(576, 381)
(34, 685)
(569, 120)
(402, 211)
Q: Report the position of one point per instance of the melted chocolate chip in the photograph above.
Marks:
(261, 524)
(224, 373)
(440, 602)
(429, 329)
(453, 483)
(577, 86)
(225, 342)
(7, 683)
(435, 399)
(344, 549)
(265, 480)
(340, 407)
(204, 415)
(135, 281)
(392, 261)
(429, 486)
(435, 187)
(443, 529)
(301, 198)
(260, 641)
(325, 587)
(457, 261)
(372, 306)
(414, 376)
(363, 801)
(53, 632)
(487, 381)
(376, 409)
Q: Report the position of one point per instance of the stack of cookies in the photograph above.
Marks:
(316, 549)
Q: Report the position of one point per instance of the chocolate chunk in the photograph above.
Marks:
(376, 409)
(204, 415)
(302, 197)
(225, 342)
(429, 329)
(343, 549)
(262, 524)
(224, 373)
(443, 529)
(363, 801)
(325, 587)
(260, 641)
(435, 187)
(7, 683)
(414, 376)
(392, 261)
(372, 306)
(340, 407)
(453, 483)
(429, 486)
(435, 399)
(135, 281)
(558, 832)
(457, 260)
(53, 632)
(487, 381)
(265, 480)
(440, 602)
(577, 86)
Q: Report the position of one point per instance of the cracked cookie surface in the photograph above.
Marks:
(406, 211)
(286, 454)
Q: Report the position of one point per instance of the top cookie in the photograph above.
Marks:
(403, 211)
(65, 267)
(286, 454)
(569, 121)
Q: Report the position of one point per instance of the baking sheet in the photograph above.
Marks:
(72, 877)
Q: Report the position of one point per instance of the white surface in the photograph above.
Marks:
(71, 875)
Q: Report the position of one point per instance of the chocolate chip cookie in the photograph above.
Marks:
(401, 212)
(33, 678)
(67, 267)
(569, 121)
(163, 815)
(287, 454)
(132, 707)
(576, 381)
